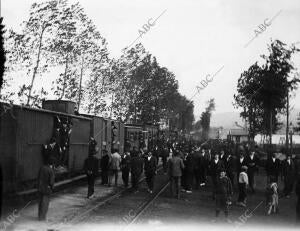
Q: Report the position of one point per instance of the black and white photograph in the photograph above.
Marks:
(161, 115)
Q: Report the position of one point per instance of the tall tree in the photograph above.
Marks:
(30, 46)
(262, 91)
(205, 118)
(2, 53)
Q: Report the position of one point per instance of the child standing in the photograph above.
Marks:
(272, 196)
(223, 193)
(243, 182)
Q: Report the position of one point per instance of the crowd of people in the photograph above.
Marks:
(191, 167)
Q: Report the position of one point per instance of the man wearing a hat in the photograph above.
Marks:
(45, 186)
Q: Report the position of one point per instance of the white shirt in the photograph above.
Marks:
(243, 178)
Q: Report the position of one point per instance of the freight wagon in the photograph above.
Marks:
(24, 131)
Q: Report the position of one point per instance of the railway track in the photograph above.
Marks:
(83, 214)
(147, 204)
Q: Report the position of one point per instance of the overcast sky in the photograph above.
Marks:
(193, 38)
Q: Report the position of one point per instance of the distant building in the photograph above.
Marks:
(238, 135)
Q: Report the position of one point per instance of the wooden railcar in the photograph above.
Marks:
(24, 131)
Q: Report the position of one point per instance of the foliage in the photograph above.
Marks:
(2, 53)
(262, 90)
(205, 118)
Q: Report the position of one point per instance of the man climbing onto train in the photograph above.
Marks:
(52, 151)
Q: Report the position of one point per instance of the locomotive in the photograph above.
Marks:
(24, 131)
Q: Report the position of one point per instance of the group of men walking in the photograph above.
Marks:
(191, 166)
(188, 168)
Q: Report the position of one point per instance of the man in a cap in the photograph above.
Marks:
(45, 186)
(215, 166)
(298, 200)
(273, 167)
(175, 169)
(289, 175)
(104, 165)
(252, 161)
(91, 170)
(150, 170)
(125, 167)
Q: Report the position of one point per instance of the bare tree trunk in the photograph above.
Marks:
(36, 65)
(80, 83)
(111, 107)
(65, 78)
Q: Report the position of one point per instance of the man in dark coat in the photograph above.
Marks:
(136, 170)
(298, 200)
(1, 190)
(52, 151)
(240, 162)
(196, 161)
(150, 170)
(252, 161)
(104, 165)
(273, 167)
(156, 152)
(164, 157)
(230, 167)
(45, 186)
(188, 172)
(175, 168)
(65, 133)
(289, 174)
(91, 170)
(215, 167)
(203, 167)
(125, 168)
(223, 156)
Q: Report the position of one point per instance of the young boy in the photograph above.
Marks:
(243, 183)
(272, 196)
(223, 193)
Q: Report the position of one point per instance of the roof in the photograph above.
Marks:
(238, 132)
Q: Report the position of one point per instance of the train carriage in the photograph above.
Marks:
(108, 134)
(24, 131)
